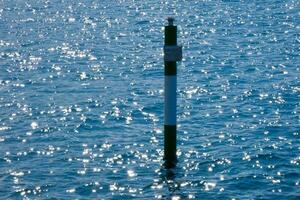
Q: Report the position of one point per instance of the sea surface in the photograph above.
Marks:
(82, 97)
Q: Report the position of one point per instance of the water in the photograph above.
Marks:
(81, 100)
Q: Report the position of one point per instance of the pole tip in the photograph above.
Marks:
(170, 21)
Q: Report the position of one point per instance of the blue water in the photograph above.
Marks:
(81, 99)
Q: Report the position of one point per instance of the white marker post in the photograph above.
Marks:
(172, 53)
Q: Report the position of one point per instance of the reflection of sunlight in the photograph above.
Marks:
(71, 190)
(131, 173)
(209, 186)
(170, 182)
(82, 100)
(34, 125)
(175, 197)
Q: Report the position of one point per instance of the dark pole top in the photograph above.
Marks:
(170, 21)
(170, 32)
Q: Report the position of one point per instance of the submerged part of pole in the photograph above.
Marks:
(172, 53)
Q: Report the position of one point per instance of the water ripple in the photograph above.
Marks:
(81, 101)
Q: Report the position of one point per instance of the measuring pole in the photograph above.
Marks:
(172, 53)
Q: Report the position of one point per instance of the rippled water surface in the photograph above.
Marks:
(81, 99)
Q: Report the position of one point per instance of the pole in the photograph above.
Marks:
(172, 53)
